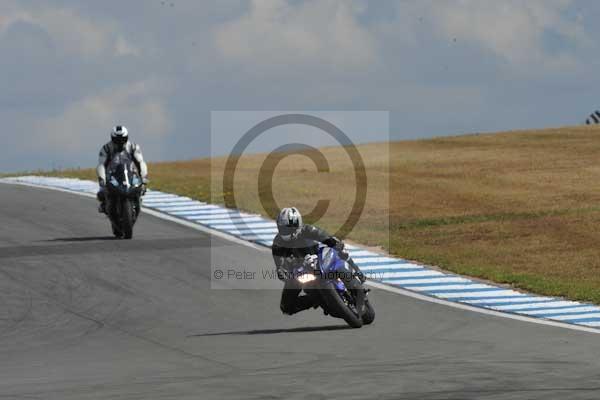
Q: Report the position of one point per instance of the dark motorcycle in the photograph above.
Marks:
(123, 193)
(333, 285)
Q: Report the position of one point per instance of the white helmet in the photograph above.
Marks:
(289, 223)
(119, 135)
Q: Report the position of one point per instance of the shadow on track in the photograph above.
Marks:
(275, 331)
(80, 239)
(86, 245)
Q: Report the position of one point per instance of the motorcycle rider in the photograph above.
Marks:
(119, 141)
(291, 246)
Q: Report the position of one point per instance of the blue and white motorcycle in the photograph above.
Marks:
(333, 285)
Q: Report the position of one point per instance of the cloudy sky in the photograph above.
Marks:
(71, 69)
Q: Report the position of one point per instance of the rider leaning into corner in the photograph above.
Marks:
(119, 141)
(295, 243)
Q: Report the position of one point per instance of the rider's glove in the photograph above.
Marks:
(101, 182)
(340, 248)
(310, 260)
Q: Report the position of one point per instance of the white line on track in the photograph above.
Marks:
(485, 311)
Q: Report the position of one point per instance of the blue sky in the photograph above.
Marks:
(72, 69)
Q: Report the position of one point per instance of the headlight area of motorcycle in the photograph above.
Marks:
(305, 278)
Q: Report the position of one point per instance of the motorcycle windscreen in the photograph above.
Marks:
(330, 261)
(122, 171)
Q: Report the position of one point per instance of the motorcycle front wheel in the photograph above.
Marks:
(339, 306)
(127, 218)
(116, 231)
(369, 313)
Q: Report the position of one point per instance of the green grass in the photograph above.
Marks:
(520, 208)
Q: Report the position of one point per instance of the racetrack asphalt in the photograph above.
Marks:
(84, 316)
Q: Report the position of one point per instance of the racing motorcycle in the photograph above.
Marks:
(331, 282)
(124, 189)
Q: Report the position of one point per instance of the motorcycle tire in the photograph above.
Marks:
(128, 218)
(116, 231)
(369, 313)
(337, 306)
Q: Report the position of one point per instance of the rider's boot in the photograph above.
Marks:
(101, 196)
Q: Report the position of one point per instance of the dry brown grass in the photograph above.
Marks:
(518, 207)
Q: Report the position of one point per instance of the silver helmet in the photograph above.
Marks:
(119, 136)
(289, 223)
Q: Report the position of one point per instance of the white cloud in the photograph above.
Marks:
(64, 55)
(139, 106)
(124, 48)
(281, 37)
(72, 32)
(513, 30)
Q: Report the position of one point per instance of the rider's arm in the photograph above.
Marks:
(281, 257)
(101, 168)
(137, 154)
(312, 232)
(320, 235)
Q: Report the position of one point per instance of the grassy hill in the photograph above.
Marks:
(521, 207)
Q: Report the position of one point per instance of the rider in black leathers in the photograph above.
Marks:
(290, 246)
(119, 141)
